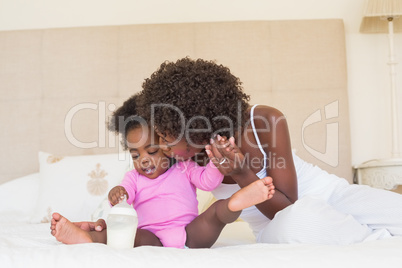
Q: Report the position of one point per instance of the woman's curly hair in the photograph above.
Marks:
(126, 118)
(194, 98)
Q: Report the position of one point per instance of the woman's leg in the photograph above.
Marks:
(313, 221)
(205, 229)
(372, 208)
(376, 208)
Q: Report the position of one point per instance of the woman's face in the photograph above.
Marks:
(178, 149)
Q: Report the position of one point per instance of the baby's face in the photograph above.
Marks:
(148, 158)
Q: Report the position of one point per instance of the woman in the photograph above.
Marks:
(190, 101)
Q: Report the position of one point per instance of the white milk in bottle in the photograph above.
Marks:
(121, 226)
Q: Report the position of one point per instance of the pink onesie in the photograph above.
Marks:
(167, 204)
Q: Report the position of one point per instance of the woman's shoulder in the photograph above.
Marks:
(270, 122)
(267, 112)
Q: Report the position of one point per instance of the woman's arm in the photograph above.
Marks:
(274, 136)
(280, 165)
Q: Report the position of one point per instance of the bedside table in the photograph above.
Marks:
(384, 174)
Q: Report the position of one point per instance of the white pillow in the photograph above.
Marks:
(17, 198)
(205, 199)
(74, 186)
(102, 211)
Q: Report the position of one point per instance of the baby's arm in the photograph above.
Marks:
(225, 158)
(116, 194)
(205, 178)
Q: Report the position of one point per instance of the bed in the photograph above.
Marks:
(24, 244)
(60, 85)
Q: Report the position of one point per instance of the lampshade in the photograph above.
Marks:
(376, 14)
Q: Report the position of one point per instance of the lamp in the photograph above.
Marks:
(384, 16)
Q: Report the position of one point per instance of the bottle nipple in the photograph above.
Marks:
(123, 208)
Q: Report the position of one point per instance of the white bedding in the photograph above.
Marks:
(31, 245)
(24, 244)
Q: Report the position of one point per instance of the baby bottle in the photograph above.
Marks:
(122, 224)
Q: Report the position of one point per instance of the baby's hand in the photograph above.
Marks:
(117, 194)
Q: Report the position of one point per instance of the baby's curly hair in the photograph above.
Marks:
(126, 118)
(198, 96)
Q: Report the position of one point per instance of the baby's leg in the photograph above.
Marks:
(253, 194)
(68, 233)
(204, 230)
(146, 238)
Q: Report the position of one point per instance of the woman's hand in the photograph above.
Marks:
(116, 195)
(225, 155)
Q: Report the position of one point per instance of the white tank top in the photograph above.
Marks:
(263, 172)
(252, 215)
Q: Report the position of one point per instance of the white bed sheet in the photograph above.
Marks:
(23, 244)
(31, 245)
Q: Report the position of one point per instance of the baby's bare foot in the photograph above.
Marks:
(253, 194)
(66, 232)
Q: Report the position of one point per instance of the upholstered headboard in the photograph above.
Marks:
(59, 85)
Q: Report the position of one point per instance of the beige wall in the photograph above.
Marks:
(62, 83)
(368, 81)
